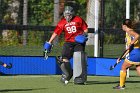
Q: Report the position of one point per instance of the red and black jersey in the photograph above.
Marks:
(71, 29)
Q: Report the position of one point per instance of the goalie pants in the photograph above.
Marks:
(70, 47)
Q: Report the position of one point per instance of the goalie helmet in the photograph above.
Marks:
(68, 13)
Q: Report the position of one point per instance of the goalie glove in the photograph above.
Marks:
(81, 38)
(48, 47)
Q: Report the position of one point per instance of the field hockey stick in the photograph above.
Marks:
(45, 54)
(6, 65)
(122, 56)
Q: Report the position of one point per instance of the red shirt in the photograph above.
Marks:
(72, 29)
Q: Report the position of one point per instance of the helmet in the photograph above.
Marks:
(68, 13)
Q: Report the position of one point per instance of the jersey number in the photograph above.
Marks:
(71, 29)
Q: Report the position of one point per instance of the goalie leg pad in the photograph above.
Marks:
(79, 67)
(66, 69)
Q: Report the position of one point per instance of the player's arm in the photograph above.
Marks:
(123, 55)
(57, 31)
(125, 52)
(52, 37)
(131, 46)
(86, 31)
(48, 45)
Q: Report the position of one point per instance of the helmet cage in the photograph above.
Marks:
(68, 13)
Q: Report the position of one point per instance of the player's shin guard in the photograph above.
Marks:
(122, 78)
(66, 69)
(79, 67)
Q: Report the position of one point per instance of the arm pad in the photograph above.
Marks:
(81, 38)
(47, 47)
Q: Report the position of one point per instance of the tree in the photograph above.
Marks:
(10, 16)
(40, 12)
(115, 12)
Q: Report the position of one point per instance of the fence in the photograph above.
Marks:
(113, 41)
(20, 38)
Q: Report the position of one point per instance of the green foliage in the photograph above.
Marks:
(113, 39)
(35, 38)
(10, 39)
(41, 12)
(80, 8)
(3, 6)
(109, 39)
(81, 2)
(115, 12)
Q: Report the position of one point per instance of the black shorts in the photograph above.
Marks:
(69, 48)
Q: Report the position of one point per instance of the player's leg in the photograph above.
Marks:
(132, 59)
(136, 59)
(79, 64)
(123, 73)
(79, 67)
(66, 70)
(64, 63)
(137, 63)
(138, 69)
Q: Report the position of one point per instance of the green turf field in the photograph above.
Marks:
(51, 84)
(110, 50)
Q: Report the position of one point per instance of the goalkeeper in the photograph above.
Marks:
(75, 31)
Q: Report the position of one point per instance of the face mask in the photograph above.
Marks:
(68, 17)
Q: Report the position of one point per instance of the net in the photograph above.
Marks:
(40, 20)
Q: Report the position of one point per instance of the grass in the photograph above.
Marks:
(110, 50)
(51, 84)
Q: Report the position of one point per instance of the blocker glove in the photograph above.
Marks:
(81, 38)
(47, 47)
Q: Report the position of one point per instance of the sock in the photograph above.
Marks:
(122, 78)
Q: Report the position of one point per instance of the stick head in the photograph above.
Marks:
(111, 67)
(9, 66)
(45, 54)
